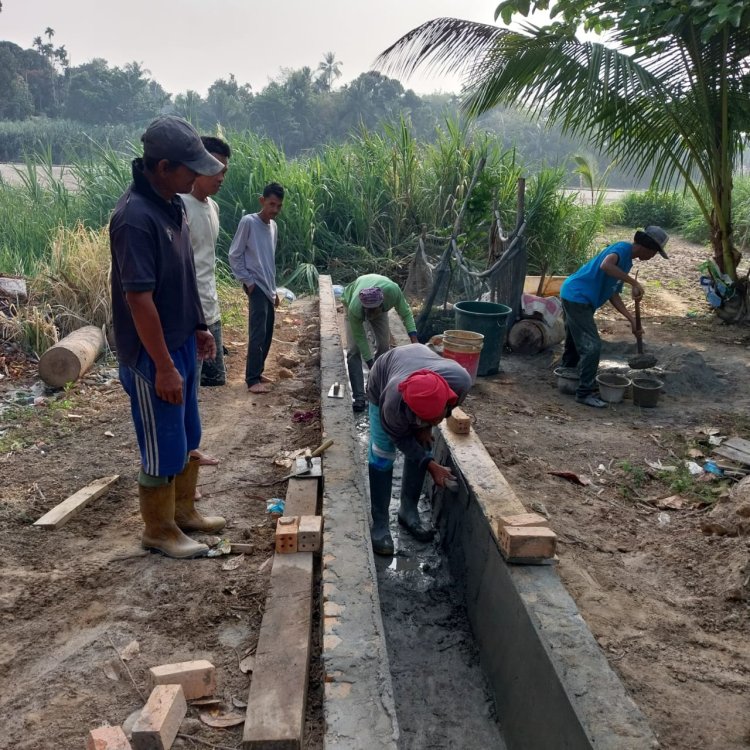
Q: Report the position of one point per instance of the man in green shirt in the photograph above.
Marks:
(367, 300)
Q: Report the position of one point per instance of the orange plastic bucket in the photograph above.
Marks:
(465, 347)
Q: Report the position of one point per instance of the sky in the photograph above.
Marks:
(188, 44)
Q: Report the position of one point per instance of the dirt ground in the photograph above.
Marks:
(73, 598)
(664, 599)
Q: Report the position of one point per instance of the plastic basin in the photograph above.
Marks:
(646, 391)
(612, 386)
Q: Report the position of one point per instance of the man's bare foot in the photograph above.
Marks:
(198, 494)
(259, 388)
(203, 458)
(266, 379)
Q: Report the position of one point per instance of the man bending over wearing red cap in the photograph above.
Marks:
(410, 390)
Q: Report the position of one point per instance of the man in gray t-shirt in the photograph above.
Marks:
(410, 390)
(252, 258)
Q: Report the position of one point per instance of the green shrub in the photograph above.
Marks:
(652, 207)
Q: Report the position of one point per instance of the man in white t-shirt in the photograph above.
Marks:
(202, 213)
(203, 218)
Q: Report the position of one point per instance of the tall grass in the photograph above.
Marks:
(351, 208)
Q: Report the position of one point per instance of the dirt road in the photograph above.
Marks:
(70, 597)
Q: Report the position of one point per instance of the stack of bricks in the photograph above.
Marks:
(299, 534)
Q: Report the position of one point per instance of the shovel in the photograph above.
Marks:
(307, 471)
(641, 361)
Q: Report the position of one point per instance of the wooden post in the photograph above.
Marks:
(70, 358)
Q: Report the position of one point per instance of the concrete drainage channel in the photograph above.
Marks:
(544, 683)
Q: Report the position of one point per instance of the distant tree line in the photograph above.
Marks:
(299, 111)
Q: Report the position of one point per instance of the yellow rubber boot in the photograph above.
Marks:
(186, 516)
(162, 533)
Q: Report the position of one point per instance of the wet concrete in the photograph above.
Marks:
(442, 697)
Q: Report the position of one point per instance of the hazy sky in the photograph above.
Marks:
(188, 44)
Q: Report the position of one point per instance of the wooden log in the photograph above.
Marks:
(70, 358)
(732, 453)
(62, 513)
(534, 336)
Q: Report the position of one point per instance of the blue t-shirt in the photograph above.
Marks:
(589, 285)
(151, 251)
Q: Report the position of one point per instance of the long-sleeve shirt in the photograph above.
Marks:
(392, 297)
(398, 420)
(252, 255)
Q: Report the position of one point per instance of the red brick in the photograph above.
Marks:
(198, 678)
(532, 542)
(287, 528)
(459, 422)
(160, 719)
(107, 738)
(522, 519)
(310, 534)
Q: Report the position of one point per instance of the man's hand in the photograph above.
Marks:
(637, 332)
(206, 345)
(638, 291)
(277, 301)
(248, 288)
(439, 473)
(168, 384)
(413, 338)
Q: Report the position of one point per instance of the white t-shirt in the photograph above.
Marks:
(203, 220)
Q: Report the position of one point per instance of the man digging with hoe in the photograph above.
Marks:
(585, 291)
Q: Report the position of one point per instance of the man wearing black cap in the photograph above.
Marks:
(585, 291)
(159, 328)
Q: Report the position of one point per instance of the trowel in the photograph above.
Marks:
(336, 391)
(307, 468)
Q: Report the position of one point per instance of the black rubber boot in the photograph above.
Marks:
(408, 513)
(380, 498)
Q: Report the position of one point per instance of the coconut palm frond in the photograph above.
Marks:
(446, 45)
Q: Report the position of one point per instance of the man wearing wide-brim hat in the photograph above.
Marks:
(159, 329)
(599, 281)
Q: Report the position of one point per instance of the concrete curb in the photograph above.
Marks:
(358, 705)
(553, 686)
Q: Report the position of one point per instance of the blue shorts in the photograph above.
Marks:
(166, 432)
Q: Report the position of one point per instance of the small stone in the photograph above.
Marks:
(285, 374)
(285, 361)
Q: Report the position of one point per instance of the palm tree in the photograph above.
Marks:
(668, 93)
(330, 70)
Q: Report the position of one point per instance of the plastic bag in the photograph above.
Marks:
(286, 294)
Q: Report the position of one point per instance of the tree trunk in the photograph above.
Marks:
(70, 358)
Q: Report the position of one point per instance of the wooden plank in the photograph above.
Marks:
(278, 692)
(301, 497)
(738, 444)
(62, 513)
(493, 493)
(732, 454)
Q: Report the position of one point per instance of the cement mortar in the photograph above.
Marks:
(442, 697)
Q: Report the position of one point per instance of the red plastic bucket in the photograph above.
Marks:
(465, 347)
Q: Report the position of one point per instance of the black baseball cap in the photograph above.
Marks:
(170, 137)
